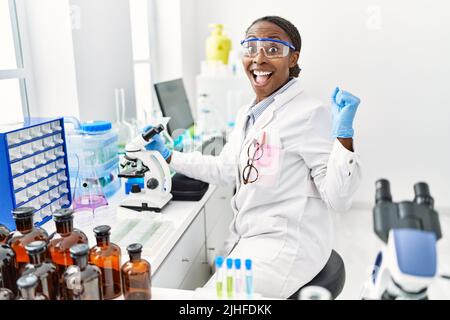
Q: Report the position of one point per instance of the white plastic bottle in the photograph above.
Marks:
(204, 113)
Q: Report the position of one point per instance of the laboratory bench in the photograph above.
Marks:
(180, 243)
(199, 294)
(172, 294)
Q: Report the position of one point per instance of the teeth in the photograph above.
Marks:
(261, 73)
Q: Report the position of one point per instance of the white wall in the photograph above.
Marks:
(393, 54)
(80, 51)
(190, 48)
(103, 57)
(165, 19)
(49, 49)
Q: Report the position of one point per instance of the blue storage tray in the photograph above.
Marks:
(21, 140)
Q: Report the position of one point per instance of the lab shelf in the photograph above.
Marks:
(40, 180)
(33, 139)
(45, 219)
(23, 203)
(33, 168)
(37, 167)
(25, 157)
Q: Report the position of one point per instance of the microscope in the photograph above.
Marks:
(150, 165)
(407, 264)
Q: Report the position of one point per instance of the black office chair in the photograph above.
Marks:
(331, 277)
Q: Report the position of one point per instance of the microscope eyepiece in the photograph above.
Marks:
(383, 191)
(422, 194)
(151, 132)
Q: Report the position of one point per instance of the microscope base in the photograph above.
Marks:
(143, 203)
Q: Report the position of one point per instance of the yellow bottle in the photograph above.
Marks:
(218, 46)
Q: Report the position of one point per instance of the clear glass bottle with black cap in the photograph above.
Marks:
(6, 294)
(4, 233)
(26, 232)
(8, 268)
(82, 281)
(44, 270)
(106, 255)
(27, 285)
(136, 275)
(63, 239)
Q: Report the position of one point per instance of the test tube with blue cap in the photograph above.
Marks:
(239, 279)
(219, 276)
(230, 284)
(249, 278)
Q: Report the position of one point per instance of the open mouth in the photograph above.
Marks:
(261, 78)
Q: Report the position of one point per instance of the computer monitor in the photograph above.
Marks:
(174, 104)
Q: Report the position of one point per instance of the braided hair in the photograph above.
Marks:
(291, 31)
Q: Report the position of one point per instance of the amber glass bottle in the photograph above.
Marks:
(45, 271)
(106, 255)
(27, 285)
(4, 233)
(8, 268)
(26, 232)
(82, 281)
(136, 275)
(63, 239)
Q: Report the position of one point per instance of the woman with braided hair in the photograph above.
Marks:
(291, 159)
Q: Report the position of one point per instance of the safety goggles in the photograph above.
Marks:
(273, 48)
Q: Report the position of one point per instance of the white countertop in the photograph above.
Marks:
(169, 294)
(198, 294)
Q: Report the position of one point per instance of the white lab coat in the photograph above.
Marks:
(282, 220)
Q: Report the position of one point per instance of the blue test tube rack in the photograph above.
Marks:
(33, 169)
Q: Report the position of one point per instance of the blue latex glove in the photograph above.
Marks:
(157, 144)
(343, 111)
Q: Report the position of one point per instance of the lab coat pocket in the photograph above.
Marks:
(270, 238)
(270, 164)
